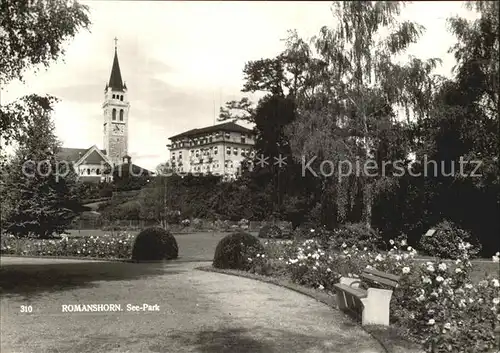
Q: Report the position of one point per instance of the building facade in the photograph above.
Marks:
(96, 165)
(217, 150)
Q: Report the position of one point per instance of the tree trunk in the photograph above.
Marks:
(368, 201)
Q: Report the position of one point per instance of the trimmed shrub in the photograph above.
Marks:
(356, 234)
(270, 231)
(153, 244)
(236, 250)
(444, 243)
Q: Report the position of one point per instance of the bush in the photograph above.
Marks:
(236, 250)
(197, 223)
(243, 223)
(155, 243)
(444, 243)
(356, 234)
(270, 231)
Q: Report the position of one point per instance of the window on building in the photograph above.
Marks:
(113, 96)
(88, 171)
(235, 151)
(114, 114)
(121, 114)
(243, 140)
(121, 98)
(228, 151)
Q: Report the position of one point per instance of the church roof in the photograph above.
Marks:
(228, 127)
(115, 80)
(74, 154)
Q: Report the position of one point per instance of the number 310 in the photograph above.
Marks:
(26, 309)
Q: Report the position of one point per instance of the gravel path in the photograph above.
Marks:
(198, 312)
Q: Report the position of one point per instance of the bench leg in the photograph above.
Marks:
(345, 301)
(376, 307)
(341, 300)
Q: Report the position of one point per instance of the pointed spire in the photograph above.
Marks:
(115, 80)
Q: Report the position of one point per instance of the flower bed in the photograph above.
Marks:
(107, 246)
(437, 303)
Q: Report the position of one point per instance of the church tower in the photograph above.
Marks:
(116, 108)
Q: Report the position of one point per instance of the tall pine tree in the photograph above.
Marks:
(40, 190)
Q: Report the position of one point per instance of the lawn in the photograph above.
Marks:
(192, 247)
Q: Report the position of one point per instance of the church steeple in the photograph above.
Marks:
(116, 108)
(115, 80)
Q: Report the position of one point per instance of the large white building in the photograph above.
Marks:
(217, 149)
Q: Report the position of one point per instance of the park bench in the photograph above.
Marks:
(370, 294)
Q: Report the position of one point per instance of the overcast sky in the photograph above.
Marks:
(180, 59)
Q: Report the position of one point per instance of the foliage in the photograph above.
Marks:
(155, 243)
(107, 246)
(346, 113)
(46, 25)
(197, 223)
(356, 234)
(445, 242)
(40, 189)
(128, 177)
(32, 33)
(310, 265)
(304, 231)
(270, 231)
(93, 191)
(235, 250)
(130, 210)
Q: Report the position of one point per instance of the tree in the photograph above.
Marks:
(355, 91)
(40, 190)
(464, 124)
(32, 33)
(154, 198)
(279, 78)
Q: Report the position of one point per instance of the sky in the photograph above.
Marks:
(181, 61)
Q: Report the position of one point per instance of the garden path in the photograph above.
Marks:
(199, 311)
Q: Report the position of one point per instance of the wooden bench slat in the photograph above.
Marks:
(357, 292)
(382, 274)
(380, 280)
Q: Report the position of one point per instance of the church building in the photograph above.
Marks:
(96, 165)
